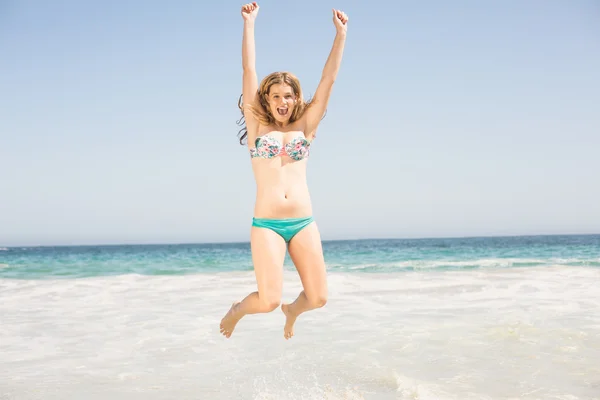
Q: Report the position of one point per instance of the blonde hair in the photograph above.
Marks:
(261, 109)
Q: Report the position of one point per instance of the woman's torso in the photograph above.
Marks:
(279, 158)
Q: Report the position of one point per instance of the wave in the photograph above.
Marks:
(87, 269)
(416, 265)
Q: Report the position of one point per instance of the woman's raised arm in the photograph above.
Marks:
(250, 80)
(316, 111)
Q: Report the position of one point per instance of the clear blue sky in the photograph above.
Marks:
(117, 119)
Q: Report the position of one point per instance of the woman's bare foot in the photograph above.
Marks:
(231, 319)
(290, 318)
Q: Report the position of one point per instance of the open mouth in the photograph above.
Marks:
(282, 111)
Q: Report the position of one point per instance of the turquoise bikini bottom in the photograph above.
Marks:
(286, 228)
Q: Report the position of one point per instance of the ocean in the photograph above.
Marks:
(464, 318)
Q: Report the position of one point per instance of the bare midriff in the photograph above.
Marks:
(281, 188)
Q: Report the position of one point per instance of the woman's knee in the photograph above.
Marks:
(317, 300)
(269, 302)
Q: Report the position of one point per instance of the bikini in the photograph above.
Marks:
(297, 149)
(268, 147)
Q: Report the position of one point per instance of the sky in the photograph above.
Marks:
(465, 118)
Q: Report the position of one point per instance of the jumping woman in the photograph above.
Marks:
(280, 129)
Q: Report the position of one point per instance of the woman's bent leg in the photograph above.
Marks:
(307, 254)
(268, 252)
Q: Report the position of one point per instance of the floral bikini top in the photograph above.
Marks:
(268, 147)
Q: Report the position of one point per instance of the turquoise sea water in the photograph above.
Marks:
(360, 256)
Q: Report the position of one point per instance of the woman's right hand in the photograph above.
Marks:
(249, 11)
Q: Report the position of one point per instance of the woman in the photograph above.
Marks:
(280, 128)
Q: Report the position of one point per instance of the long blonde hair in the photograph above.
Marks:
(261, 109)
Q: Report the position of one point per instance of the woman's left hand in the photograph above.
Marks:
(340, 20)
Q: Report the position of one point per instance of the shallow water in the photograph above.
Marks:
(492, 333)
